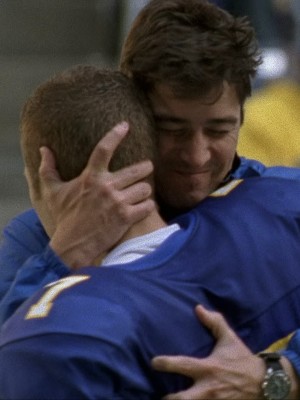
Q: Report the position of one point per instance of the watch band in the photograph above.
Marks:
(272, 360)
(276, 384)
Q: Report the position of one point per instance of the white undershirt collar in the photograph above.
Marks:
(138, 247)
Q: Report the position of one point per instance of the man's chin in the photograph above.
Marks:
(185, 203)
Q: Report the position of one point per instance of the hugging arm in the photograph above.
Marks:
(231, 371)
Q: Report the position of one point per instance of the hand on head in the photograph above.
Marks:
(83, 230)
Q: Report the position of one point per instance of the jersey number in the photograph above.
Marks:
(42, 308)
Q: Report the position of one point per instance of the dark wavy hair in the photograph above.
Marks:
(191, 45)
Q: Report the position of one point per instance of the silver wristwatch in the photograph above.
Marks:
(276, 384)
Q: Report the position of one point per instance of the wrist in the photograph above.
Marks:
(74, 256)
(295, 380)
(276, 384)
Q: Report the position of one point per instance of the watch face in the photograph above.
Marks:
(277, 385)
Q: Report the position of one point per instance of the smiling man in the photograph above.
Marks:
(195, 63)
(197, 140)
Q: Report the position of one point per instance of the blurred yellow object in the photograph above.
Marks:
(271, 129)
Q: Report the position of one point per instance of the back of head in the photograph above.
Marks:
(72, 111)
(192, 46)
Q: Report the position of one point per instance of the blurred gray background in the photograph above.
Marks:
(37, 39)
(41, 37)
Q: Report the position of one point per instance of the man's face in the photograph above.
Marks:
(197, 142)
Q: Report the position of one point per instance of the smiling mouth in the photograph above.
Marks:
(191, 173)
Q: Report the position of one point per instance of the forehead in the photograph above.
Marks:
(166, 105)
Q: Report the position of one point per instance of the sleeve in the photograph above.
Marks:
(292, 352)
(283, 172)
(26, 262)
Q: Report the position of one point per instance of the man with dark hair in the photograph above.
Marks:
(181, 54)
(195, 63)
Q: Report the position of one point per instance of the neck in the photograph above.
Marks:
(151, 223)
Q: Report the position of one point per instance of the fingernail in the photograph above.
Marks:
(122, 126)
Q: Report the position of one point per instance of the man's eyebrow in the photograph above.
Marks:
(213, 121)
(225, 120)
(168, 118)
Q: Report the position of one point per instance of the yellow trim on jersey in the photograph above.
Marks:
(224, 190)
(280, 344)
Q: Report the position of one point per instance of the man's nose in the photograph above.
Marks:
(197, 149)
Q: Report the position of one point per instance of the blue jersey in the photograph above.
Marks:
(92, 334)
(27, 263)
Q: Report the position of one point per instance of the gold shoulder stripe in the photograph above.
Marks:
(280, 344)
(224, 190)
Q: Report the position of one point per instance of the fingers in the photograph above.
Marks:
(215, 322)
(99, 160)
(132, 174)
(104, 150)
(47, 169)
(141, 210)
(191, 394)
(185, 395)
(187, 366)
(136, 193)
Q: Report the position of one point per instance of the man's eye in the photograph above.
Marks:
(171, 132)
(216, 132)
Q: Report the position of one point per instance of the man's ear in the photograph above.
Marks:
(39, 205)
(32, 195)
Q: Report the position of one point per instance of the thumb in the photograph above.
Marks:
(216, 323)
(47, 170)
